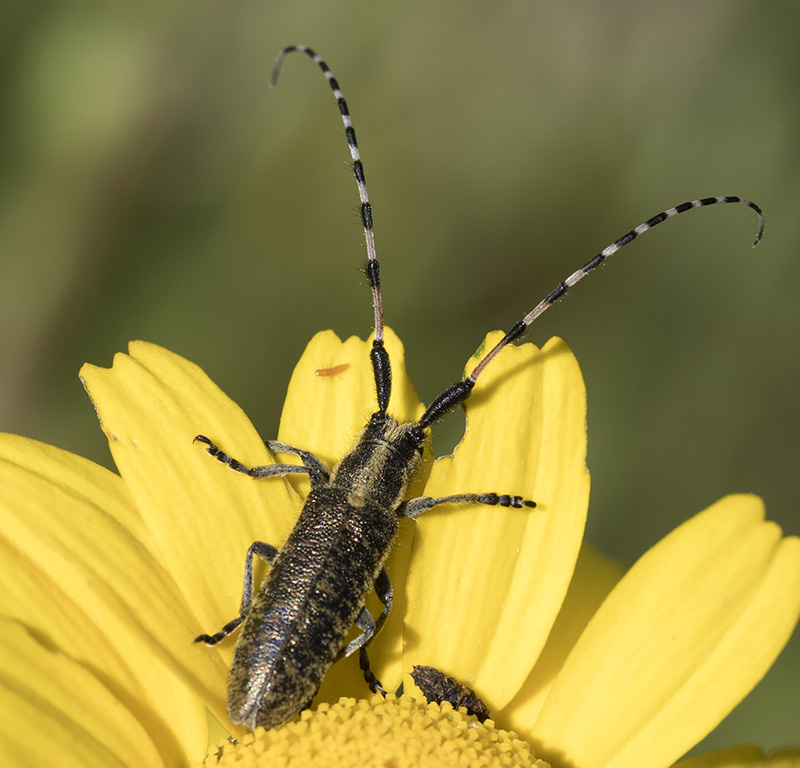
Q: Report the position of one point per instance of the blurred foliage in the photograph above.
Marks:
(152, 187)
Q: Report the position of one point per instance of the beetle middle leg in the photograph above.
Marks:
(415, 507)
(267, 553)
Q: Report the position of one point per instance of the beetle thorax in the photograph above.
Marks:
(380, 466)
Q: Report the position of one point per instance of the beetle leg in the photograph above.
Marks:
(369, 628)
(318, 473)
(267, 553)
(421, 504)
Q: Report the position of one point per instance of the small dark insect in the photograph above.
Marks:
(438, 687)
(293, 628)
(341, 368)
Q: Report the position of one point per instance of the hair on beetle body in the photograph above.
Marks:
(294, 627)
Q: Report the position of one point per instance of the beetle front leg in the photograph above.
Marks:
(318, 473)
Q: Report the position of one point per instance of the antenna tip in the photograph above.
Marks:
(276, 69)
(761, 219)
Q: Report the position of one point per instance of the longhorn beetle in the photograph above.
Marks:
(294, 627)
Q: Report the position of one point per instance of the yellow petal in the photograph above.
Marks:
(594, 577)
(200, 516)
(743, 757)
(678, 643)
(82, 583)
(486, 583)
(57, 713)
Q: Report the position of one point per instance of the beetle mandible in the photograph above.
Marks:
(294, 628)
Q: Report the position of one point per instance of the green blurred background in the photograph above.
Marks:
(153, 187)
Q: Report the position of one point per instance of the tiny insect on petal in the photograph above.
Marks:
(341, 368)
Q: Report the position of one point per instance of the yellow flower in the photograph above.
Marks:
(105, 580)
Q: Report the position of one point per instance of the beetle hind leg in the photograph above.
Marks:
(267, 553)
(369, 628)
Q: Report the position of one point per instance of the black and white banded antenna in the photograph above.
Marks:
(562, 288)
(380, 359)
(460, 391)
